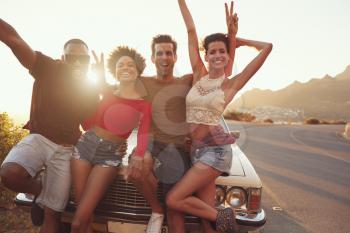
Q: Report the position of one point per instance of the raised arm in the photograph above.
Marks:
(242, 78)
(193, 48)
(232, 28)
(8, 35)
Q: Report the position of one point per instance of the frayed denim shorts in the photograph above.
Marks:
(217, 157)
(97, 151)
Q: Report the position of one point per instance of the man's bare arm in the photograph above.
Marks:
(9, 36)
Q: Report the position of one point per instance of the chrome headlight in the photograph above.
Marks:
(236, 197)
(219, 195)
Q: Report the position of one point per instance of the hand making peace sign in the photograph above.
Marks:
(99, 66)
(231, 19)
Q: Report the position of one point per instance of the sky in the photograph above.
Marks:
(310, 38)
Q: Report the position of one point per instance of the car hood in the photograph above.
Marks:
(236, 167)
(242, 172)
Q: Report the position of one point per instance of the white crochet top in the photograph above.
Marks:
(205, 101)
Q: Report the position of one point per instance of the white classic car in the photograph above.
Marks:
(124, 210)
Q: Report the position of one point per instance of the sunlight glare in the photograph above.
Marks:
(92, 76)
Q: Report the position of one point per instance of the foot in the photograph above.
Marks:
(37, 214)
(155, 223)
(226, 221)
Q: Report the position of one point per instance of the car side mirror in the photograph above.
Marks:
(235, 133)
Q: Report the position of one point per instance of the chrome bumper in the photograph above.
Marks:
(247, 222)
(251, 222)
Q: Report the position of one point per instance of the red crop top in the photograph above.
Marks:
(120, 116)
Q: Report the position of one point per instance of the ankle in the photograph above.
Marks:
(213, 225)
(158, 210)
(156, 214)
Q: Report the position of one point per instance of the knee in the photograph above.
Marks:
(171, 201)
(75, 226)
(10, 173)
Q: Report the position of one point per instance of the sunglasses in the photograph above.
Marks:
(83, 59)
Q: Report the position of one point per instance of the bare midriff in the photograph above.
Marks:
(106, 135)
(200, 131)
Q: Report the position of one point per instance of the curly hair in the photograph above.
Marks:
(121, 51)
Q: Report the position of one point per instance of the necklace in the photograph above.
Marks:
(205, 91)
(202, 91)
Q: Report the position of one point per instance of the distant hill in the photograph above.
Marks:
(326, 98)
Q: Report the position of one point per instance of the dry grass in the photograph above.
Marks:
(12, 218)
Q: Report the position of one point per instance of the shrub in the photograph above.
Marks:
(270, 121)
(325, 122)
(239, 116)
(10, 135)
(312, 121)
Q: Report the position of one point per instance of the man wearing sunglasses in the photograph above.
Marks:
(62, 98)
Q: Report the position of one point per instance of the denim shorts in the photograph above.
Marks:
(218, 157)
(171, 162)
(97, 151)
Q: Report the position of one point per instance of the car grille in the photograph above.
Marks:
(124, 194)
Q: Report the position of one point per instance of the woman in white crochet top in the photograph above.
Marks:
(212, 91)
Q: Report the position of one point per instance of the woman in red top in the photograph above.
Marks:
(97, 154)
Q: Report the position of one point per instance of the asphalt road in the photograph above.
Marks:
(305, 170)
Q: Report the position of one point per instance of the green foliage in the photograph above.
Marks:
(10, 134)
(12, 219)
